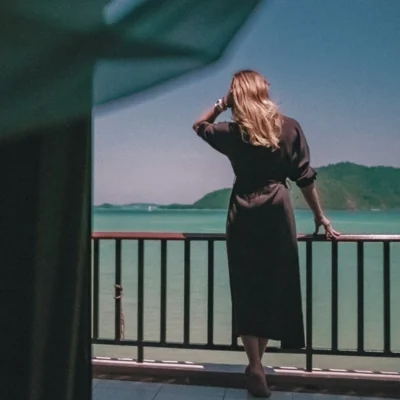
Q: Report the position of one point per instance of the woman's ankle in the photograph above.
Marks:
(255, 366)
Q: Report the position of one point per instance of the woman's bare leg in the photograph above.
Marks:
(257, 385)
(252, 348)
(262, 345)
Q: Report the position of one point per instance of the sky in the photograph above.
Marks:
(333, 65)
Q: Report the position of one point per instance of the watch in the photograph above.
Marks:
(220, 105)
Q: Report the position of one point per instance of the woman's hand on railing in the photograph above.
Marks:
(330, 233)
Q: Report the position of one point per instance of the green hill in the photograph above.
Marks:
(214, 200)
(342, 186)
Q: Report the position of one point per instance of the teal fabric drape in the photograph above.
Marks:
(58, 59)
(47, 46)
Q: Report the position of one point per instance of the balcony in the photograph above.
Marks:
(126, 299)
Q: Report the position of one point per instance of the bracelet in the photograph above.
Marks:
(220, 105)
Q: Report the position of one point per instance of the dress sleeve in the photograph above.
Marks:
(218, 136)
(301, 172)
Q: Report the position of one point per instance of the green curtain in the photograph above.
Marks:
(59, 58)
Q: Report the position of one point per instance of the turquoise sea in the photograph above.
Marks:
(195, 221)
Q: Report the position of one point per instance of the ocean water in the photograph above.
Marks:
(195, 221)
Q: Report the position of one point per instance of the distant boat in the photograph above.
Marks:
(149, 209)
(375, 209)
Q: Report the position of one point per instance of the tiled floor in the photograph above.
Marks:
(128, 390)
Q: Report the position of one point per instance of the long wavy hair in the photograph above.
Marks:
(256, 114)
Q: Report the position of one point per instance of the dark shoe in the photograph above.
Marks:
(256, 384)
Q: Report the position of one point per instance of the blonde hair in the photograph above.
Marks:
(257, 116)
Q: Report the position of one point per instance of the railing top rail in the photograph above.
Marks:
(221, 236)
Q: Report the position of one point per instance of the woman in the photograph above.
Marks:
(265, 148)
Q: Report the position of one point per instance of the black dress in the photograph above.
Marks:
(261, 233)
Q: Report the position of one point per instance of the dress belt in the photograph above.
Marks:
(262, 185)
(255, 190)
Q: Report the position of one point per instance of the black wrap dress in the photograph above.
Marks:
(261, 232)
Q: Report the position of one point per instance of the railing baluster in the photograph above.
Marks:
(140, 303)
(163, 299)
(360, 297)
(234, 339)
(309, 307)
(96, 299)
(117, 319)
(334, 300)
(210, 299)
(186, 311)
(386, 297)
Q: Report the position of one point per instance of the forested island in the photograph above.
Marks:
(342, 186)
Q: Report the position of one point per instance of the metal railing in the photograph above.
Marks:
(188, 239)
